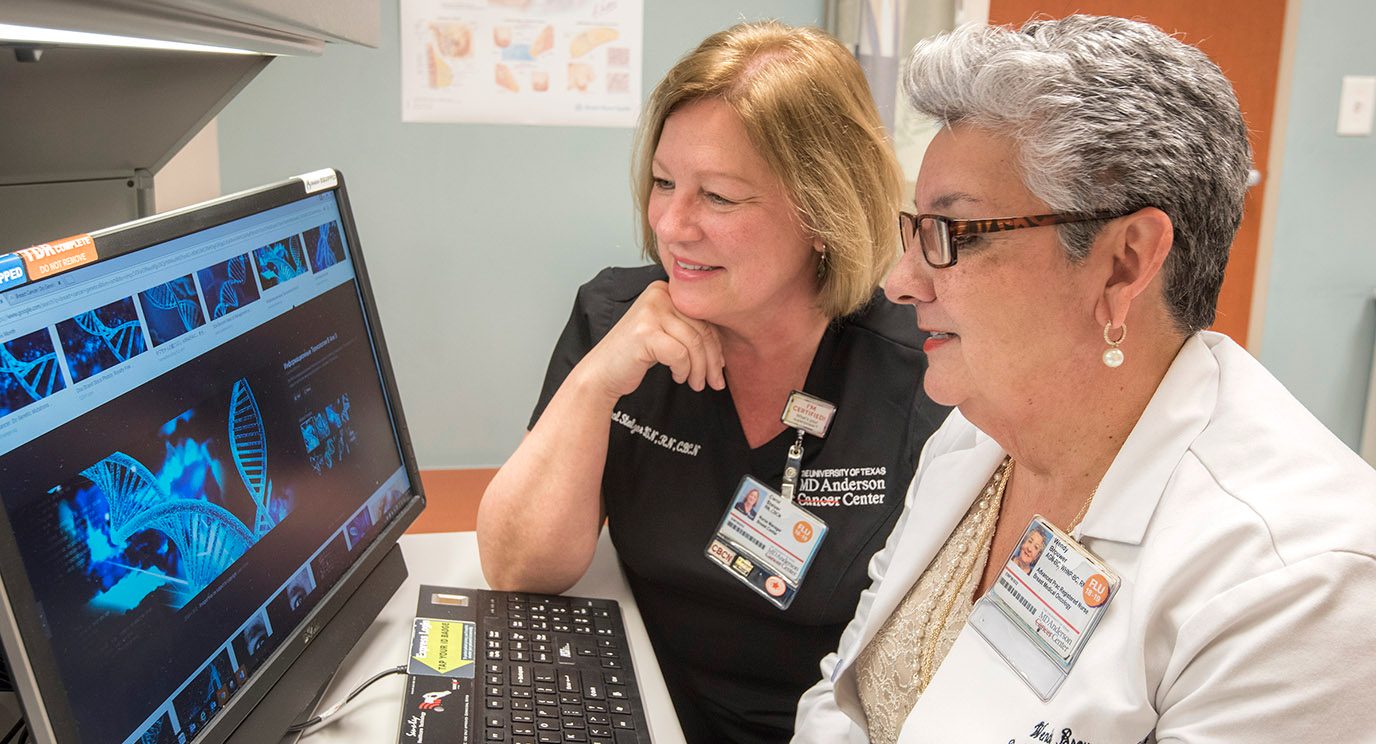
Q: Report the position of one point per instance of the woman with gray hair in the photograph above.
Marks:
(1210, 570)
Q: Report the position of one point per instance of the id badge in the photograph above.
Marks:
(766, 541)
(1045, 605)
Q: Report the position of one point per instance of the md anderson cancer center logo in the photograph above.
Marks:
(843, 487)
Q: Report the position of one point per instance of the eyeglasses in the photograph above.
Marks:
(936, 234)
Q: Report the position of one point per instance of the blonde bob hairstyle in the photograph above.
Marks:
(807, 109)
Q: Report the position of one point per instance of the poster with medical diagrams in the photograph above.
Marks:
(550, 62)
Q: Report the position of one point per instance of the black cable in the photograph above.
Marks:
(10, 736)
(330, 711)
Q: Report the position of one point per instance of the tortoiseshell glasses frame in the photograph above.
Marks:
(936, 234)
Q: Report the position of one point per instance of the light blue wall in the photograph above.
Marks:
(1320, 316)
(476, 236)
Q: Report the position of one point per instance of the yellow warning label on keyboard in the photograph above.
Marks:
(443, 648)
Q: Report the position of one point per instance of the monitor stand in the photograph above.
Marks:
(300, 688)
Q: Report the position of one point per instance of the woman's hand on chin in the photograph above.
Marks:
(654, 332)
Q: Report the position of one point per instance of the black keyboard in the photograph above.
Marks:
(557, 669)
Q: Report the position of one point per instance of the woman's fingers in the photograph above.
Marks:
(654, 332)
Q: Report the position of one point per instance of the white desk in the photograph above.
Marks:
(451, 559)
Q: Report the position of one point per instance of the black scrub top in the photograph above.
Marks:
(735, 664)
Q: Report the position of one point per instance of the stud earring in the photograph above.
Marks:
(822, 263)
(1113, 356)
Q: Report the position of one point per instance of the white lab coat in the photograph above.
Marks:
(1245, 536)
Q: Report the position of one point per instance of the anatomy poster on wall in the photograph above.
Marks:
(552, 62)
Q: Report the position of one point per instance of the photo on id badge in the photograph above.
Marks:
(766, 542)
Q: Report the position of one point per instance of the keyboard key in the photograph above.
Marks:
(599, 731)
(613, 678)
(544, 674)
(574, 723)
(547, 724)
(523, 729)
(623, 722)
(616, 692)
(595, 707)
(574, 735)
(550, 737)
(568, 681)
(495, 721)
(495, 735)
(520, 692)
(520, 675)
(571, 712)
(519, 704)
(611, 664)
(496, 703)
(621, 707)
(546, 711)
(594, 691)
(521, 718)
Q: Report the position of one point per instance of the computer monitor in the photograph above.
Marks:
(203, 468)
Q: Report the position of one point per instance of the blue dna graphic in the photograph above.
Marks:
(208, 537)
(124, 340)
(323, 255)
(236, 270)
(278, 263)
(248, 445)
(164, 297)
(40, 377)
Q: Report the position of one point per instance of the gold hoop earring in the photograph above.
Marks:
(1113, 356)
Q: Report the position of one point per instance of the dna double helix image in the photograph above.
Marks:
(325, 245)
(228, 286)
(280, 262)
(100, 339)
(171, 309)
(207, 538)
(29, 371)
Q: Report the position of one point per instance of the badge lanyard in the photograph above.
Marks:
(765, 539)
(807, 414)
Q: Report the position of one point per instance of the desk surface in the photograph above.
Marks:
(451, 559)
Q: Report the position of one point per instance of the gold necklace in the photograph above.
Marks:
(1083, 510)
(926, 669)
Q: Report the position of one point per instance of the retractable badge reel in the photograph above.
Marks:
(765, 539)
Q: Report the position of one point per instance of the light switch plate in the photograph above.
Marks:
(1356, 105)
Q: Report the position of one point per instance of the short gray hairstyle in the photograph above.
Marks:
(1107, 115)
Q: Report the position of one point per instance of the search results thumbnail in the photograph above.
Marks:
(31, 371)
(280, 262)
(227, 286)
(325, 246)
(171, 309)
(99, 339)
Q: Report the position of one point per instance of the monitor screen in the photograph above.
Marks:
(199, 438)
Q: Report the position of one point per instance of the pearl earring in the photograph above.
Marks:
(1113, 356)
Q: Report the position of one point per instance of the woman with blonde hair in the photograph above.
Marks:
(767, 190)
